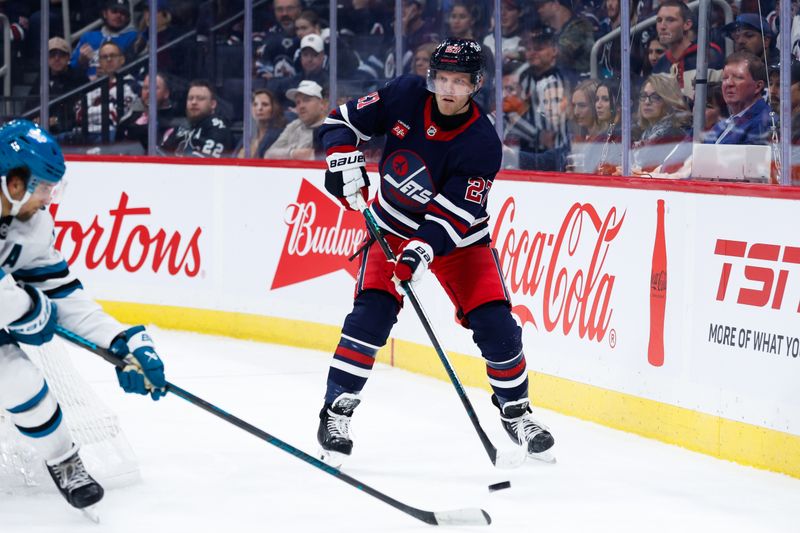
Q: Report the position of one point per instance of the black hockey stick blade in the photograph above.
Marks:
(475, 517)
(499, 458)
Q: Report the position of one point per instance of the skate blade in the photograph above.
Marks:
(331, 458)
(90, 513)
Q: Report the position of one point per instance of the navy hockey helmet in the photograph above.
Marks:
(457, 55)
(24, 145)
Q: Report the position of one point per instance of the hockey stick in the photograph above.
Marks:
(457, 517)
(499, 458)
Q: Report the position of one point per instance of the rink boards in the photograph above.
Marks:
(261, 252)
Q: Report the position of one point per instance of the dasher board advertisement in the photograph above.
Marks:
(669, 294)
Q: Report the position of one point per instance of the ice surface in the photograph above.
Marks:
(413, 442)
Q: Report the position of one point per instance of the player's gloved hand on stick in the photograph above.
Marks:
(144, 371)
(346, 176)
(38, 325)
(411, 265)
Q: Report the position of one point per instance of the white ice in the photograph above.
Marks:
(413, 442)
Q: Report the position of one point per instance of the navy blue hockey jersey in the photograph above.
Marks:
(434, 183)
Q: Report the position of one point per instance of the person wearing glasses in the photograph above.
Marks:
(116, 28)
(119, 100)
(664, 120)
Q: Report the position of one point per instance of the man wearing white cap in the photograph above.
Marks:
(297, 140)
(313, 67)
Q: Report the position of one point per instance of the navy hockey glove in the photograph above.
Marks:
(415, 257)
(38, 325)
(144, 371)
(346, 176)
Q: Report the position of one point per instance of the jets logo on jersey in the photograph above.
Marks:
(406, 181)
(400, 129)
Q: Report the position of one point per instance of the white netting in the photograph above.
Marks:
(104, 449)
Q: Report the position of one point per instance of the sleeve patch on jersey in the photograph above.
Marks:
(369, 99)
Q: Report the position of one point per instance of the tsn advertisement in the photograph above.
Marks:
(674, 295)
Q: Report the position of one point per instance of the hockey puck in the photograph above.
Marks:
(500, 486)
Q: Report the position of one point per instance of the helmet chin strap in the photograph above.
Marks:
(16, 205)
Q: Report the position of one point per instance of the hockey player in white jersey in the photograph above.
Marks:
(37, 292)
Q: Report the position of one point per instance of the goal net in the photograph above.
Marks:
(105, 451)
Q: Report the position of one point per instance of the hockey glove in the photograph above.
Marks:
(144, 371)
(346, 177)
(38, 325)
(415, 257)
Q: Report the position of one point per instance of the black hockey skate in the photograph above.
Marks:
(334, 429)
(524, 430)
(73, 481)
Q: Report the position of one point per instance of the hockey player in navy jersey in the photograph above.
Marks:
(37, 292)
(440, 158)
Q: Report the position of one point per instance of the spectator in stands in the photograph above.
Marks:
(313, 67)
(555, 101)
(586, 142)
(654, 52)
(111, 60)
(19, 21)
(350, 65)
(168, 60)
(298, 139)
(462, 22)
(608, 120)
(511, 32)
(422, 58)
(539, 74)
(307, 22)
(268, 121)
(675, 29)
(116, 28)
(516, 128)
(134, 125)
(275, 57)
(743, 80)
(665, 122)
(417, 29)
(63, 79)
(203, 134)
(574, 34)
(751, 33)
(716, 109)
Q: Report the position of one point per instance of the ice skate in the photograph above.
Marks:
(524, 430)
(74, 482)
(334, 429)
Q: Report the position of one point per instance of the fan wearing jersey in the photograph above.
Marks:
(38, 292)
(440, 158)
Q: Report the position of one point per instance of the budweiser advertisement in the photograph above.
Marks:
(666, 294)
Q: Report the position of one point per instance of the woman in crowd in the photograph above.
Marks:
(584, 118)
(422, 59)
(654, 52)
(665, 122)
(268, 122)
(461, 21)
(308, 22)
(608, 124)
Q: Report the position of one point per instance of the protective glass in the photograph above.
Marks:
(450, 83)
